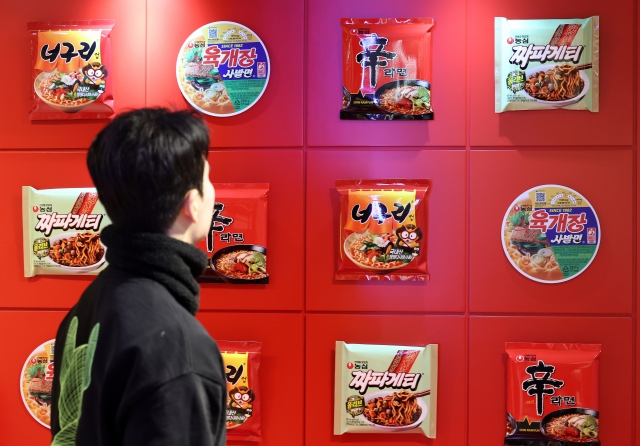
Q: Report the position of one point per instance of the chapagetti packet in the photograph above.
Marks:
(72, 71)
(242, 361)
(552, 394)
(383, 230)
(237, 240)
(547, 64)
(61, 231)
(386, 68)
(385, 389)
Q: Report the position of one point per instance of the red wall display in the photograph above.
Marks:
(293, 139)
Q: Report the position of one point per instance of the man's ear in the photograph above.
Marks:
(191, 206)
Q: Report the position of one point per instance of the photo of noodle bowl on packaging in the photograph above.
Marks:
(386, 68)
(552, 394)
(36, 382)
(237, 240)
(223, 69)
(385, 389)
(543, 64)
(71, 70)
(383, 230)
(550, 233)
(242, 362)
(61, 231)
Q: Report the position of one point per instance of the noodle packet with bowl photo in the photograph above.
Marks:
(383, 230)
(547, 64)
(236, 243)
(552, 394)
(61, 231)
(385, 389)
(72, 71)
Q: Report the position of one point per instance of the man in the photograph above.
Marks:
(133, 365)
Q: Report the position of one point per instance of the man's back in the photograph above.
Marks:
(134, 368)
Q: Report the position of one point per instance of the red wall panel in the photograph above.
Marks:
(487, 369)
(324, 76)
(613, 125)
(26, 330)
(128, 47)
(322, 332)
(276, 119)
(604, 178)
(446, 232)
(281, 367)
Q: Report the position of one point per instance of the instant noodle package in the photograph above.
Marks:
(383, 230)
(386, 68)
(546, 64)
(223, 69)
(385, 389)
(242, 361)
(61, 231)
(36, 382)
(550, 233)
(237, 242)
(72, 71)
(552, 394)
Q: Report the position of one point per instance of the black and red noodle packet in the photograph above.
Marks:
(386, 68)
(237, 241)
(242, 362)
(383, 230)
(552, 394)
(72, 71)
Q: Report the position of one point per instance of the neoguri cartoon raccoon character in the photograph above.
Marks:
(408, 237)
(241, 399)
(94, 74)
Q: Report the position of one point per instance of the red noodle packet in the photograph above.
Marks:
(386, 68)
(552, 394)
(72, 71)
(237, 242)
(242, 361)
(383, 230)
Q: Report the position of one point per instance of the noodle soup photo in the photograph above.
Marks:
(36, 382)
(241, 264)
(550, 234)
(572, 425)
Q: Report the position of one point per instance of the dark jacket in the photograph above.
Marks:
(151, 373)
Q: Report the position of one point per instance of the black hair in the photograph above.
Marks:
(144, 162)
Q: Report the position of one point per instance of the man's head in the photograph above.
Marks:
(149, 167)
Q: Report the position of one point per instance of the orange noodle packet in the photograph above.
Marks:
(242, 361)
(61, 231)
(383, 230)
(552, 394)
(237, 241)
(547, 64)
(386, 68)
(385, 389)
(72, 71)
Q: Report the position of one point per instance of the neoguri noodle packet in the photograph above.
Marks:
(237, 242)
(552, 394)
(72, 71)
(36, 382)
(61, 231)
(385, 389)
(383, 230)
(386, 68)
(242, 361)
(546, 64)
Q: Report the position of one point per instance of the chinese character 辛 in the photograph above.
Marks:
(218, 223)
(374, 56)
(541, 383)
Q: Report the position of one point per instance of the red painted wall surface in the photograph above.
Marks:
(292, 139)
